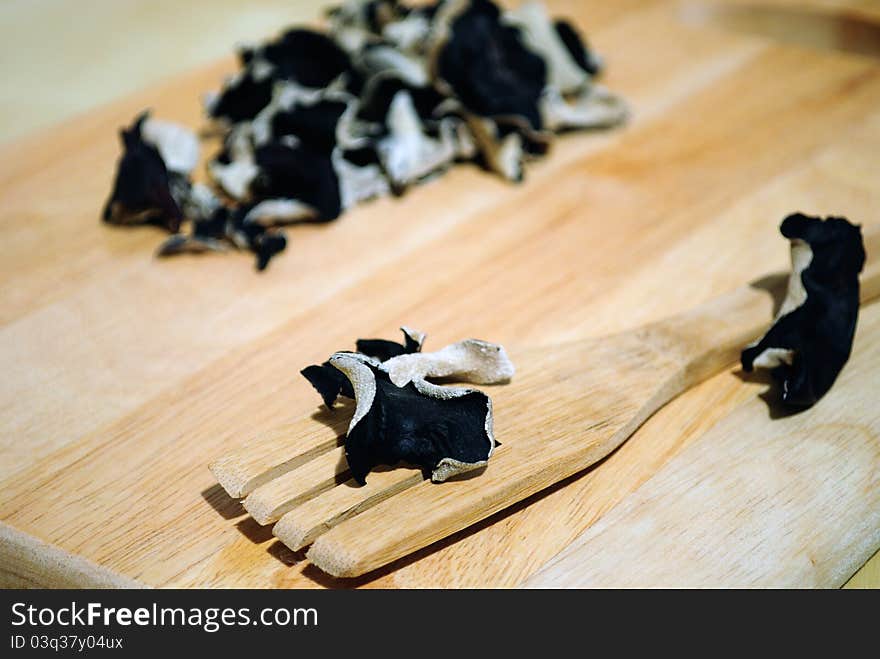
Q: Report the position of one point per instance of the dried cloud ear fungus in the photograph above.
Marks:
(144, 188)
(315, 122)
(401, 416)
(812, 335)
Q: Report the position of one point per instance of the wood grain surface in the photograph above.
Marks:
(124, 375)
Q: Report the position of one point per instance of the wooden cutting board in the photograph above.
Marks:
(124, 376)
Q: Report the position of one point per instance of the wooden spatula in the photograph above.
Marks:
(790, 504)
(568, 407)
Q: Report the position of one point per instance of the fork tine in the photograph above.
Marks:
(303, 524)
(271, 500)
(281, 450)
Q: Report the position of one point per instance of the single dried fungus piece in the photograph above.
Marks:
(485, 64)
(181, 243)
(444, 430)
(314, 184)
(811, 337)
(152, 179)
(266, 245)
(317, 183)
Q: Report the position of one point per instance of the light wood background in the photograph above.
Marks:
(124, 376)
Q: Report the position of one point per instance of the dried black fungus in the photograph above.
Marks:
(144, 188)
(400, 415)
(315, 122)
(811, 338)
(488, 67)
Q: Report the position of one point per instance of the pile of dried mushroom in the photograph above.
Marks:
(388, 96)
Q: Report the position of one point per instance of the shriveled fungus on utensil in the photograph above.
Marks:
(401, 416)
(388, 96)
(811, 337)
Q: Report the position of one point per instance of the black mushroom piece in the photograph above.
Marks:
(811, 337)
(444, 430)
(143, 191)
(486, 65)
(400, 415)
